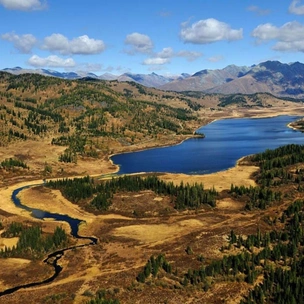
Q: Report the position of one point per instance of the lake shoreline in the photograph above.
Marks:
(256, 114)
(228, 174)
(161, 162)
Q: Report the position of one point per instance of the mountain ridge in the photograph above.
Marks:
(274, 77)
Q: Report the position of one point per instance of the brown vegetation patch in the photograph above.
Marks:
(21, 271)
(136, 227)
(229, 205)
(146, 203)
(159, 233)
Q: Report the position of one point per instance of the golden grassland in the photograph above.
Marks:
(125, 241)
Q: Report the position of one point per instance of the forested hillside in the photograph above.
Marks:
(92, 116)
(34, 106)
(155, 237)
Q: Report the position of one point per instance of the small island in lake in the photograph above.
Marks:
(198, 134)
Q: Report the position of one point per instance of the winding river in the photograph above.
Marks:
(226, 141)
(53, 258)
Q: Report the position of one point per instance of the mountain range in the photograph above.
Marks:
(274, 77)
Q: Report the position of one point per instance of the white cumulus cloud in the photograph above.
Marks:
(295, 8)
(156, 61)
(265, 32)
(23, 43)
(80, 45)
(139, 43)
(290, 46)
(209, 31)
(288, 37)
(51, 61)
(161, 57)
(166, 54)
(23, 5)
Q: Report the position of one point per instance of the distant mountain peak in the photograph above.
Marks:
(271, 76)
(200, 73)
(274, 77)
(17, 68)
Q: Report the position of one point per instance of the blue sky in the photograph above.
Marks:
(142, 36)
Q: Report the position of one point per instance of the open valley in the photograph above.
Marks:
(151, 152)
(136, 226)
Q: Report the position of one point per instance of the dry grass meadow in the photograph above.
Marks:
(137, 226)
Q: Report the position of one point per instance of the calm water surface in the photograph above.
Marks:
(226, 141)
(41, 214)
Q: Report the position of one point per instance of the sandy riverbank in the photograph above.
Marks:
(222, 180)
(53, 201)
(6, 202)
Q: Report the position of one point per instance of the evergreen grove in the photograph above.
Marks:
(32, 243)
(100, 193)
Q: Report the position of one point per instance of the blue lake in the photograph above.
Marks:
(226, 141)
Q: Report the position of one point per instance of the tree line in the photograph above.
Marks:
(153, 266)
(32, 243)
(10, 163)
(276, 256)
(101, 193)
(274, 164)
(278, 167)
(257, 197)
(283, 281)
